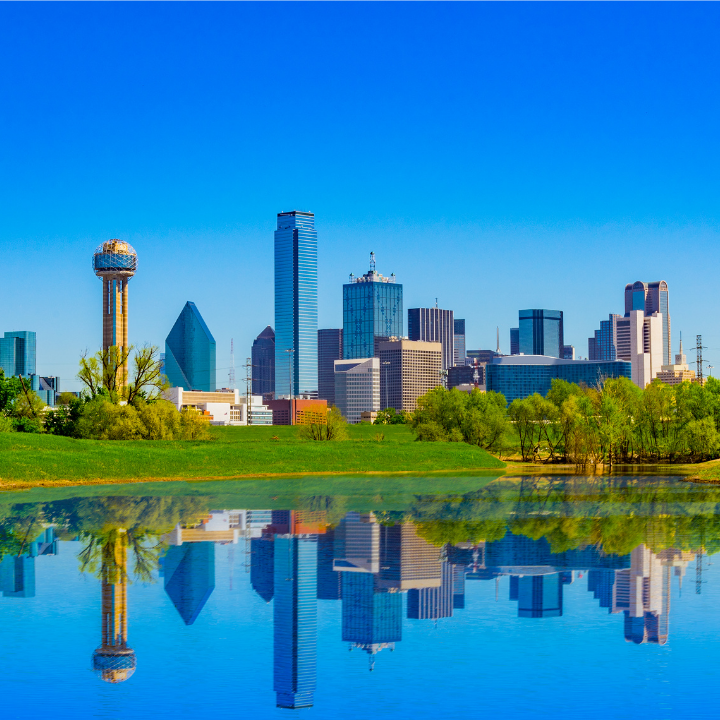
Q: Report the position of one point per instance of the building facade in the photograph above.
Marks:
(372, 308)
(330, 349)
(298, 411)
(603, 345)
(434, 325)
(568, 352)
(263, 363)
(459, 347)
(408, 369)
(651, 298)
(295, 620)
(679, 372)
(541, 332)
(190, 352)
(18, 353)
(514, 341)
(465, 375)
(357, 387)
(519, 376)
(296, 352)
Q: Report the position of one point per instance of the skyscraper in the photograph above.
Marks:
(408, 369)
(357, 387)
(515, 341)
(295, 620)
(296, 358)
(330, 349)
(603, 346)
(651, 298)
(432, 603)
(115, 262)
(190, 577)
(372, 308)
(541, 332)
(190, 352)
(17, 353)
(263, 363)
(459, 342)
(434, 325)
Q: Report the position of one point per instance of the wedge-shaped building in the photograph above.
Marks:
(190, 352)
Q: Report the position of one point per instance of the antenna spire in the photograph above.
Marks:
(498, 340)
(372, 262)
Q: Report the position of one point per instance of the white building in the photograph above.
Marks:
(223, 407)
(357, 387)
(646, 346)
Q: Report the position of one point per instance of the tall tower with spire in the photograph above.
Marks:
(115, 262)
(114, 661)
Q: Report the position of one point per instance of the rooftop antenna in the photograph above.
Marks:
(436, 303)
(231, 371)
(372, 262)
(498, 341)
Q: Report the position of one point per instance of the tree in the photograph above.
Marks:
(10, 388)
(390, 416)
(65, 398)
(103, 374)
(334, 429)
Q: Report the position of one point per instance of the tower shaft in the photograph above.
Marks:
(115, 317)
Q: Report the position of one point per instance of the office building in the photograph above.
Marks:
(481, 356)
(372, 312)
(651, 298)
(465, 375)
(114, 660)
(296, 358)
(646, 345)
(298, 411)
(262, 566)
(541, 332)
(357, 387)
(514, 341)
(519, 376)
(435, 602)
(18, 353)
(328, 579)
(603, 345)
(190, 352)
(330, 349)
(263, 363)
(46, 388)
(434, 325)
(679, 372)
(115, 262)
(222, 407)
(295, 620)
(371, 617)
(407, 561)
(568, 352)
(459, 342)
(357, 544)
(408, 369)
(539, 596)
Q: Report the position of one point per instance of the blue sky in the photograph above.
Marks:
(495, 156)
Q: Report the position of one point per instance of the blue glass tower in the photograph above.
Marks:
(541, 332)
(372, 308)
(296, 359)
(295, 620)
(17, 353)
(190, 352)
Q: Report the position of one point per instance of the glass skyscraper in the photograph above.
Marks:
(295, 620)
(459, 342)
(296, 352)
(541, 332)
(330, 349)
(651, 298)
(17, 353)
(372, 308)
(190, 352)
(263, 362)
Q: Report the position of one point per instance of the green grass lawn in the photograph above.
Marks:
(233, 452)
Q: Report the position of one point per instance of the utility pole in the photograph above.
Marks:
(231, 371)
(248, 388)
(699, 361)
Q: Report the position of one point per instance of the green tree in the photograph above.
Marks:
(334, 429)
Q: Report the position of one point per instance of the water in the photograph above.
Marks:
(557, 597)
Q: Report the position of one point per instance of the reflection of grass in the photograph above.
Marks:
(236, 452)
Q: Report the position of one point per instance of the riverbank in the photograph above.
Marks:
(28, 460)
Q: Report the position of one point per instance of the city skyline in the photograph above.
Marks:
(603, 184)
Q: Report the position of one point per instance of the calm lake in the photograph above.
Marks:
(541, 597)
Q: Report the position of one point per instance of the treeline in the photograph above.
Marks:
(616, 422)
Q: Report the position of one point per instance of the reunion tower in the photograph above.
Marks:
(115, 262)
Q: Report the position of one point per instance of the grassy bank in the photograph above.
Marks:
(27, 460)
